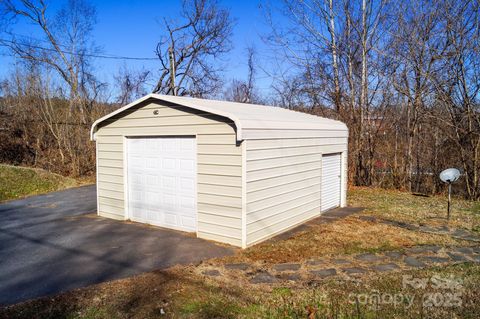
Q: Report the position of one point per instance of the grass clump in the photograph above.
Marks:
(17, 182)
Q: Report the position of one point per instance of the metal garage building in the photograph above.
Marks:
(231, 172)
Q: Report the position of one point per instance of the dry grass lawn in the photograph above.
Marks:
(348, 236)
(403, 206)
(182, 292)
(353, 235)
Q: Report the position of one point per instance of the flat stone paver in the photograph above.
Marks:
(471, 238)
(211, 272)
(286, 267)
(424, 249)
(290, 277)
(461, 233)
(316, 262)
(355, 266)
(413, 262)
(444, 230)
(435, 260)
(263, 278)
(475, 259)
(385, 267)
(368, 257)
(457, 257)
(428, 229)
(368, 218)
(354, 270)
(237, 266)
(338, 213)
(324, 273)
(410, 227)
(394, 254)
(463, 250)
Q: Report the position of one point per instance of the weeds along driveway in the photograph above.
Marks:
(55, 242)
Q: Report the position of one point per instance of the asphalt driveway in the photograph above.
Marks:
(55, 242)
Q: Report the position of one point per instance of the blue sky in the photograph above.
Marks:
(132, 28)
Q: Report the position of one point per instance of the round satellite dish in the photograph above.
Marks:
(450, 175)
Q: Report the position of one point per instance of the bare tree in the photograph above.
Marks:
(457, 88)
(65, 47)
(289, 92)
(56, 86)
(130, 85)
(334, 47)
(189, 55)
(334, 52)
(245, 91)
(416, 48)
(310, 43)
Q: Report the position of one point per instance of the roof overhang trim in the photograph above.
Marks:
(230, 116)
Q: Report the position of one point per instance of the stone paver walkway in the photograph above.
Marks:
(345, 267)
(457, 233)
(350, 267)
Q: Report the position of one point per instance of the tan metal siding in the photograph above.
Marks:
(283, 178)
(218, 160)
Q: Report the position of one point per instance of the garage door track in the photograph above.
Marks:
(55, 242)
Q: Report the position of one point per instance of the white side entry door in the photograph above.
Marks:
(331, 181)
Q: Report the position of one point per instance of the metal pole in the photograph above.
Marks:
(449, 191)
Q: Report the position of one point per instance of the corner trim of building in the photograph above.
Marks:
(126, 213)
(243, 145)
(96, 177)
(344, 181)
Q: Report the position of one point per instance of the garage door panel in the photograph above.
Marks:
(331, 181)
(187, 202)
(152, 216)
(151, 180)
(168, 182)
(151, 162)
(186, 183)
(168, 163)
(136, 211)
(169, 201)
(188, 222)
(162, 181)
(136, 162)
(170, 219)
(135, 178)
(136, 196)
(187, 165)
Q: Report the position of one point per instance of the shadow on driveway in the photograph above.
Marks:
(51, 243)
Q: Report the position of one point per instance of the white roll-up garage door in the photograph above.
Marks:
(162, 181)
(331, 181)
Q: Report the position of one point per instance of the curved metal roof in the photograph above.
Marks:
(250, 119)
